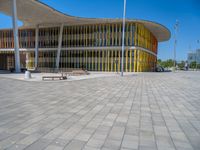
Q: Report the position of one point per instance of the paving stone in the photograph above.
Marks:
(53, 147)
(39, 145)
(145, 111)
(75, 145)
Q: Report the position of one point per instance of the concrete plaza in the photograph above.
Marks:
(145, 111)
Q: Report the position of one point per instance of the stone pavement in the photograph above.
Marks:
(146, 111)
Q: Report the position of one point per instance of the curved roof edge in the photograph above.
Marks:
(34, 12)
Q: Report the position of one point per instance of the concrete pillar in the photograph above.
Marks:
(15, 32)
(59, 46)
(36, 46)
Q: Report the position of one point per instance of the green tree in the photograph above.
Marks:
(193, 64)
(181, 65)
(159, 61)
(168, 63)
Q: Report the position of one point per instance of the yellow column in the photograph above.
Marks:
(143, 61)
(130, 34)
(92, 60)
(103, 60)
(111, 54)
(130, 63)
(99, 28)
(126, 51)
(116, 35)
(120, 34)
(135, 36)
(112, 34)
(86, 58)
(103, 26)
(119, 60)
(92, 35)
(84, 35)
(148, 62)
(89, 59)
(115, 60)
(126, 33)
(138, 60)
(108, 63)
(99, 59)
(135, 60)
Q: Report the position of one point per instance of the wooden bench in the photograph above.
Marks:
(79, 72)
(53, 77)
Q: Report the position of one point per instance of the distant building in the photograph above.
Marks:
(194, 56)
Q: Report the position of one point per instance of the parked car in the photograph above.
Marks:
(159, 69)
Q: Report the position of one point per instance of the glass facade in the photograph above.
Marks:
(95, 47)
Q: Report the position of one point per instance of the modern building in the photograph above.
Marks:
(50, 39)
(194, 56)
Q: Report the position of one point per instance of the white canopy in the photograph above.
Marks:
(33, 12)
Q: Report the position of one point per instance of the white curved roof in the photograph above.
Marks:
(33, 12)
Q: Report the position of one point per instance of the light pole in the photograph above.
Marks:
(124, 19)
(15, 34)
(175, 42)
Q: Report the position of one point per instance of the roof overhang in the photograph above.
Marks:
(33, 12)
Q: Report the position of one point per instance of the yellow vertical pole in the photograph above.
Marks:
(135, 35)
(113, 35)
(86, 59)
(138, 60)
(99, 60)
(99, 28)
(89, 36)
(135, 60)
(103, 60)
(141, 60)
(126, 33)
(147, 61)
(92, 35)
(144, 61)
(115, 58)
(112, 61)
(75, 35)
(103, 26)
(86, 36)
(119, 60)
(120, 34)
(126, 59)
(89, 59)
(108, 63)
(130, 63)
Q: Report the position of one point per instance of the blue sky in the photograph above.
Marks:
(164, 12)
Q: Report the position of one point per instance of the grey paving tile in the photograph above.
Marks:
(147, 111)
(75, 145)
(53, 147)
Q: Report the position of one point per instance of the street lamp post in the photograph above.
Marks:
(15, 33)
(122, 60)
(175, 42)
